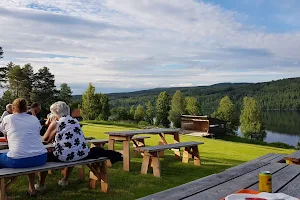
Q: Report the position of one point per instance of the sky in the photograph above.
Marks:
(129, 45)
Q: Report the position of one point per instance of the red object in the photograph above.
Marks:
(2, 139)
(245, 191)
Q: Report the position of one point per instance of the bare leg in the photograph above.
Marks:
(31, 179)
(42, 178)
(67, 173)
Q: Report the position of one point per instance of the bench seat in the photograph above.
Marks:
(151, 155)
(98, 169)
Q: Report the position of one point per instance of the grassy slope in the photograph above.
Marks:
(216, 156)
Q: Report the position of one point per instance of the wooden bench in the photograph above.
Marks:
(151, 155)
(98, 171)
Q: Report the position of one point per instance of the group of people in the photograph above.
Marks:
(22, 129)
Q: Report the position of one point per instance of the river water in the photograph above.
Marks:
(281, 126)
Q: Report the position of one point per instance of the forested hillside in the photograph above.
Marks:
(275, 95)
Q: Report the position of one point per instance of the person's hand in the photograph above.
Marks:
(32, 110)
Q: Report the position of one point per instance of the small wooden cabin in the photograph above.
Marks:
(76, 114)
(203, 125)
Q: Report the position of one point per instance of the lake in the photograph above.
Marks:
(281, 126)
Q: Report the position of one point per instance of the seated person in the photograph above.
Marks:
(7, 112)
(25, 145)
(69, 142)
(35, 110)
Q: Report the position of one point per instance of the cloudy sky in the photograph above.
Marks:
(128, 45)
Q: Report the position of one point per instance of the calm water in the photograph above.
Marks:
(281, 126)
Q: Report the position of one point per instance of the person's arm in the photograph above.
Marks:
(51, 131)
(3, 115)
(2, 129)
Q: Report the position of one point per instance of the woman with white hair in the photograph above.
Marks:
(69, 142)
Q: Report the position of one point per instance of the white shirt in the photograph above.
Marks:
(23, 135)
(69, 143)
(5, 113)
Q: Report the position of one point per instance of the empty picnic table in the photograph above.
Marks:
(126, 136)
(285, 178)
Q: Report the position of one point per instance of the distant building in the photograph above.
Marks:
(202, 125)
(76, 114)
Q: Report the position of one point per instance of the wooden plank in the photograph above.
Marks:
(281, 178)
(168, 146)
(293, 188)
(9, 172)
(271, 157)
(97, 141)
(229, 187)
(204, 183)
(144, 131)
(140, 137)
(295, 155)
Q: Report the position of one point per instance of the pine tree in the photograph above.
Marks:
(98, 105)
(87, 106)
(250, 119)
(162, 110)
(28, 84)
(178, 105)
(105, 107)
(139, 113)
(20, 80)
(65, 93)
(7, 98)
(149, 113)
(192, 106)
(44, 89)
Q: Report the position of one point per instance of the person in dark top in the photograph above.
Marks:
(35, 110)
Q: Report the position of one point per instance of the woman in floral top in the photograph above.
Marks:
(69, 142)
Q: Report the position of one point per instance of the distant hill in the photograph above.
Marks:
(274, 95)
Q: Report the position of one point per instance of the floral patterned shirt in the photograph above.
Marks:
(69, 143)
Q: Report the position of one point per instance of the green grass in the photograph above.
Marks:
(216, 156)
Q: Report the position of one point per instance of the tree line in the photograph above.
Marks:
(274, 95)
(23, 82)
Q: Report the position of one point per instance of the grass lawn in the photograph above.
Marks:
(216, 156)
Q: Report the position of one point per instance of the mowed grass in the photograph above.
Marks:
(216, 156)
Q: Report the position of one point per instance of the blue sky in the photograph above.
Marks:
(130, 45)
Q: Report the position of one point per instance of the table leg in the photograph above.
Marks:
(176, 151)
(126, 154)
(111, 144)
(162, 141)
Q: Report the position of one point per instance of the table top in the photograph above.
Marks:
(285, 178)
(144, 131)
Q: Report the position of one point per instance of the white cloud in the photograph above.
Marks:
(143, 43)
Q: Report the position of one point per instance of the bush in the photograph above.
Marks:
(143, 124)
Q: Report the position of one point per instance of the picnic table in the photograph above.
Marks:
(126, 136)
(285, 178)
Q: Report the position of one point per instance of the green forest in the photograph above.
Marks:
(275, 95)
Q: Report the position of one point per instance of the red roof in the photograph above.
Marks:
(76, 113)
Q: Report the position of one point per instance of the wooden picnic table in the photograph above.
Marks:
(126, 136)
(285, 177)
